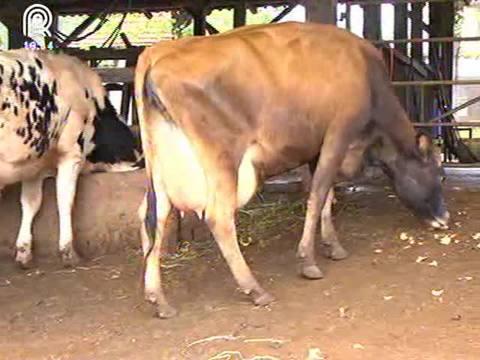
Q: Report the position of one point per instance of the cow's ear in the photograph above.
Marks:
(425, 145)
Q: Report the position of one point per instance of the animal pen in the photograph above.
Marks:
(420, 56)
(401, 286)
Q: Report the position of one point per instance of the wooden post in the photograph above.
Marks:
(321, 11)
(199, 21)
(13, 22)
(239, 14)
(15, 38)
(441, 23)
(421, 94)
(400, 25)
(127, 93)
(417, 30)
(400, 32)
(372, 22)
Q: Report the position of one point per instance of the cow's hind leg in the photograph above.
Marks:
(153, 213)
(222, 226)
(66, 181)
(31, 200)
(332, 154)
(331, 246)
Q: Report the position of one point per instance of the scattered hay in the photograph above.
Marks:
(213, 338)
(237, 355)
(260, 221)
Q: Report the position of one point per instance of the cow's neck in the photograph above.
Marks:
(386, 152)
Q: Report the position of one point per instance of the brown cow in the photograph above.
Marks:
(219, 114)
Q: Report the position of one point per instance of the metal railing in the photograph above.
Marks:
(431, 122)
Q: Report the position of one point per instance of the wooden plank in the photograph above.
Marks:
(116, 75)
(104, 54)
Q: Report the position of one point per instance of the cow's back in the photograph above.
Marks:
(281, 86)
(47, 101)
(26, 94)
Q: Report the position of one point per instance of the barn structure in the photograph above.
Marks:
(397, 268)
(420, 55)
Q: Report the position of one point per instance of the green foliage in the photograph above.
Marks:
(222, 20)
(3, 36)
(138, 28)
(263, 16)
(143, 31)
(467, 22)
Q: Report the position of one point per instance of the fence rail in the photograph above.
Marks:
(392, 2)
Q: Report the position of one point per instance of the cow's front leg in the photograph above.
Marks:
(331, 246)
(31, 200)
(67, 176)
(332, 154)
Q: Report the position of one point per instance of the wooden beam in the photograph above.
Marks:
(211, 29)
(416, 16)
(96, 6)
(199, 20)
(321, 11)
(78, 30)
(239, 14)
(105, 54)
(400, 25)
(116, 75)
(282, 14)
(372, 22)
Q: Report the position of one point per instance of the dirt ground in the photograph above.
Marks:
(398, 296)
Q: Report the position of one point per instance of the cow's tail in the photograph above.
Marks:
(149, 204)
(150, 108)
(152, 99)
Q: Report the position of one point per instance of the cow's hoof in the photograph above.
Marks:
(23, 258)
(262, 298)
(312, 272)
(166, 311)
(70, 258)
(151, 297)
(335, 252)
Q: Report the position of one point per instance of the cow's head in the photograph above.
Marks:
(114, 145)
(417, 181)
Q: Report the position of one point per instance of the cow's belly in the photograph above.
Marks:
(13, 173)
(181, 172)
